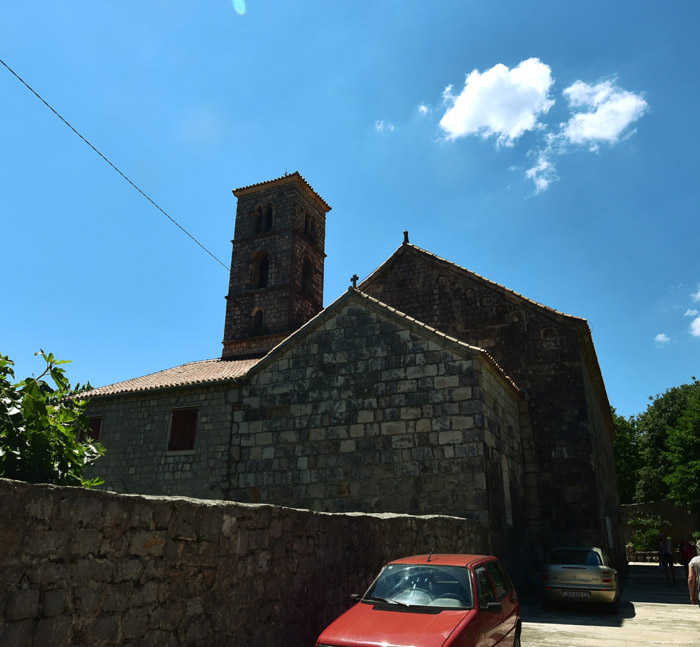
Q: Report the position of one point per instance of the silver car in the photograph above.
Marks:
(580, 574)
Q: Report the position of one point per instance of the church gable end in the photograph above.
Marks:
(547, 353)
(368, 412)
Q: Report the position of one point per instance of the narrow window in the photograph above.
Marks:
(268, 217)
(307, 278)
(506, 492)
(263, 271)
(183, 425)
(258, 323)
(258, 220)
(309, 227)
(95, 429)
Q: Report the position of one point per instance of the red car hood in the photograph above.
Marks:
(364, 626)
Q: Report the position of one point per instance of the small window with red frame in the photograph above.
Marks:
(183, 425)
(93, 434)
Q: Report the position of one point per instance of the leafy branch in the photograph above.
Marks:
(45, 435)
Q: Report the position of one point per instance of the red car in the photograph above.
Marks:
(432, 601)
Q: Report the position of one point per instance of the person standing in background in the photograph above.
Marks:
(686, 552)
(694, 579)
(666, 559)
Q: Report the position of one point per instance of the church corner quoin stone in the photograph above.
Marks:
(425, 389)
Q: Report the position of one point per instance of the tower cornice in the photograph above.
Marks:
(295, 177)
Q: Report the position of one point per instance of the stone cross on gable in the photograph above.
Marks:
(354, 278)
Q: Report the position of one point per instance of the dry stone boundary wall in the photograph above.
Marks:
(81, 567)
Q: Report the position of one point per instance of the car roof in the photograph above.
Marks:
(576, 548)
(443, 559)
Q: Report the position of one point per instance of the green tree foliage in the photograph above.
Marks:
(683, 456)
(655, 426)
(627, 458)
(646, 530)
(657, 453)
(44, 432)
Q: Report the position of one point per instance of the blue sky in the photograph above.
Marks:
(549, 146)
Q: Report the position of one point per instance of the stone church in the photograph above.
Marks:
(423, 389)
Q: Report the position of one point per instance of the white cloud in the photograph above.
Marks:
(506, 103)
(661, 339)
(690, 313)
(423, 109)
(695, 327)
(543, 173)
(500, 101)
(602, 113)
(606, 111)
(380, 126)
(696, 296)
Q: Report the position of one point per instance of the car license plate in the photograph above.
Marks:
(576, 594)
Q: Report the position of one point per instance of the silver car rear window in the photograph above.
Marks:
(574, 556)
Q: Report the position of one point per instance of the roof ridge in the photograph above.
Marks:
(438, 333)
(286, 176)
(406, 245)
(314, 321)
(499, 285)
(178, 376)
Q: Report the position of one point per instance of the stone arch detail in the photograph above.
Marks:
(260, 269)
(257, 322)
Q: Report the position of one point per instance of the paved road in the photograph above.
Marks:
(651, 614)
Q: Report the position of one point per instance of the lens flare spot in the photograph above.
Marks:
(239, 6)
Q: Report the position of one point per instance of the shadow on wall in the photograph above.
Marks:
(97, 568)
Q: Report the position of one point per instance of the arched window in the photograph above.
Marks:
(309, 227)
(268, 217)
(258, 220)
(307, 278)
(263, 271)
(258, 323)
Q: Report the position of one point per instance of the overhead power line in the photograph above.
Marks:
(177, 224)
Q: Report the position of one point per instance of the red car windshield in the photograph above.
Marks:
(422, 585)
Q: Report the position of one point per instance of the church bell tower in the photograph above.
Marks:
(276, 282)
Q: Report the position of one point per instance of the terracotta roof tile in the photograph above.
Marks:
(202, 372)
(289, 176)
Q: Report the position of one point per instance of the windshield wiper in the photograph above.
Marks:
(403, 604)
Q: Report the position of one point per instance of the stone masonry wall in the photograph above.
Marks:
(503, 464)
(135, 432)
(603, 463)
(541, 350)
(367, 414)
(92, 568)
